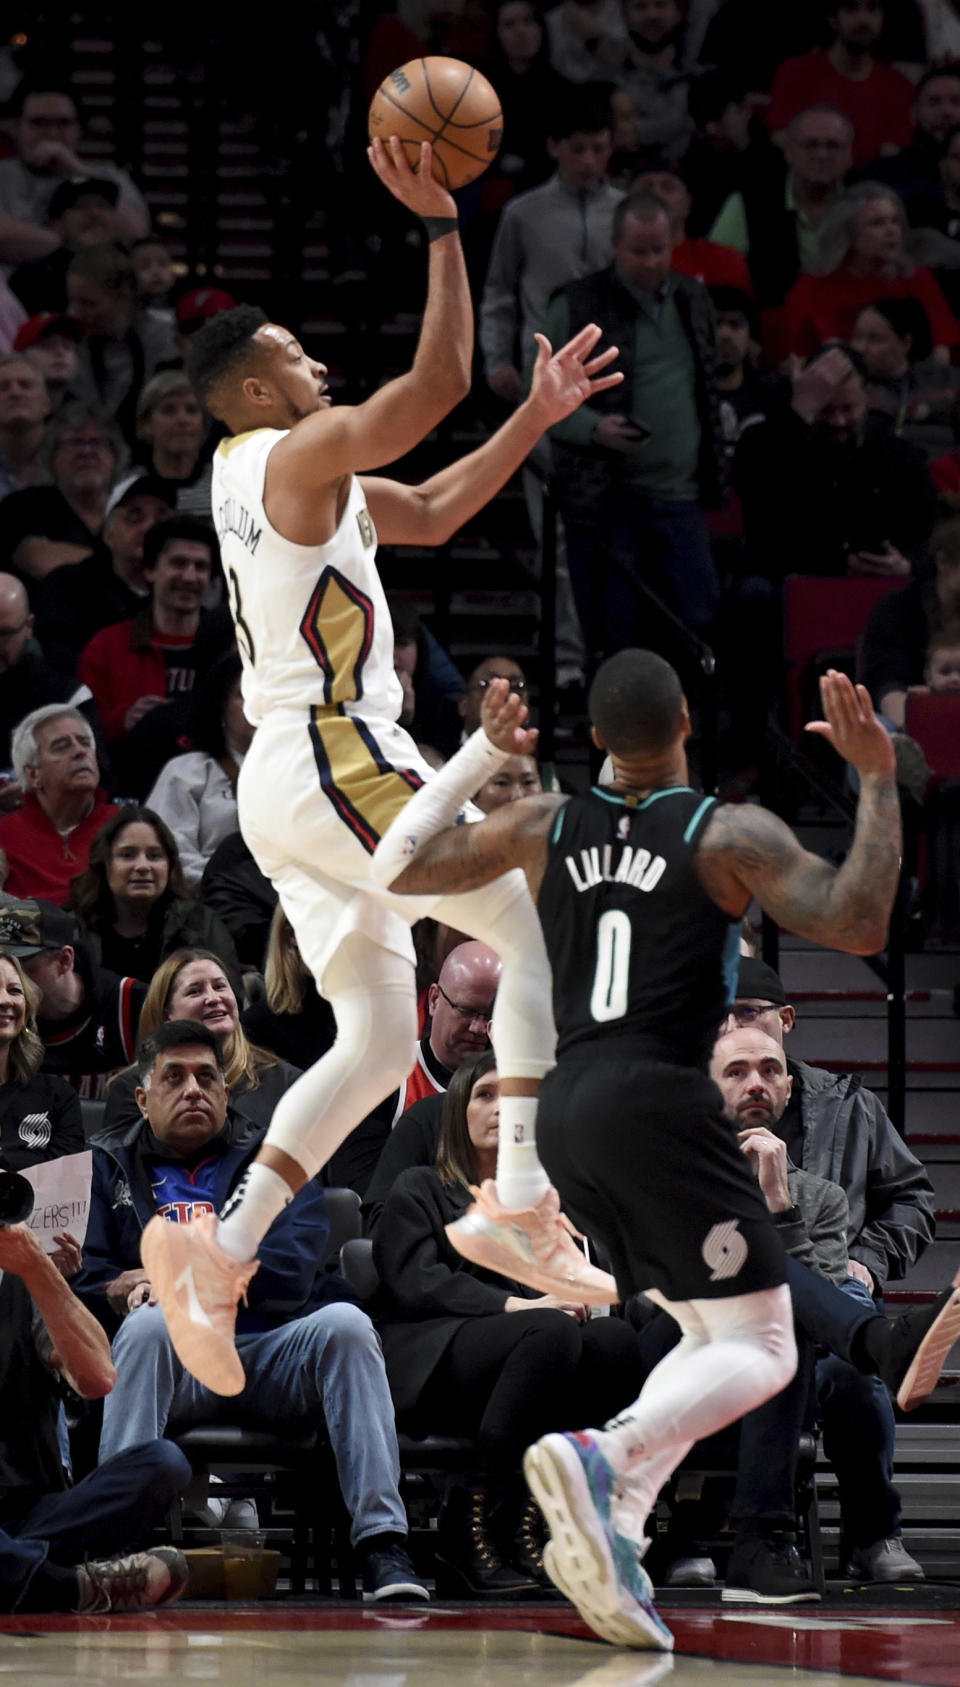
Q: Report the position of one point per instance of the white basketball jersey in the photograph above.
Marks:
(313, 627)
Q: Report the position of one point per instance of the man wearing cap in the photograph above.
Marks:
(47, 841)
(834, 1127)
(88, 1017)
(109, 585)
(82, 212)
(49, 341)
(24, 408)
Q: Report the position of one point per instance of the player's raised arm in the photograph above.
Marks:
(349, 438)
(748, 852)
(429, 514)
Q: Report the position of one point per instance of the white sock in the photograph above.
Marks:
(521, 1180)
(258, 1199)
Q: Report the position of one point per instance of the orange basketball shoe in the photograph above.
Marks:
(533, 1246)
(198, 1285)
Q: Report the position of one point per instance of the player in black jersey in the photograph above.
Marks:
(640, 888)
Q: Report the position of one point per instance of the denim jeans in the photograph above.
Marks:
(326, 1367)
(110, 1511)
(859, 1432)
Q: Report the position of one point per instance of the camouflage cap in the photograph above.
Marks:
(28, 927)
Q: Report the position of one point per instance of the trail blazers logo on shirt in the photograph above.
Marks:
(35, 1130)
(121, 1193)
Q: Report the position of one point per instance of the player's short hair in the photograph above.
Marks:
(636, 703)
(222, 347)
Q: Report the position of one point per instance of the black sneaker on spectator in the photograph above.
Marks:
(690, 1572)
(389, 1574)
(140, 1582)
(767, 1570)
(883, 1561)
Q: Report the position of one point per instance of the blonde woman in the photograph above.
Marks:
(292, 1020)
(193, 984)
(39, 1113)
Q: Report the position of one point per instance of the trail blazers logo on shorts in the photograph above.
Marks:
(724, 1250)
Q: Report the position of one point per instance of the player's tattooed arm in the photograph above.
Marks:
(748, 852)
(465, 857)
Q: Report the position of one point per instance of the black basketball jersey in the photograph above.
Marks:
(637, 948)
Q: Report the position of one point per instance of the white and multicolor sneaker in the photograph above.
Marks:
(587, 1558)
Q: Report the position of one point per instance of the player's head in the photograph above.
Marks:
(637, 708)
(250, 372)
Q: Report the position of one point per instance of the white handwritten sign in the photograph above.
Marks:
(61, 1196)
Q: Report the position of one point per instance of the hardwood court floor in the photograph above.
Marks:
(299, 1645)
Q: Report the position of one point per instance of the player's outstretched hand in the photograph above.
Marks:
(418, 188)
(502, 715)
(565, 379)
(851, 725)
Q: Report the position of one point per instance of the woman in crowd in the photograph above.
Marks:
(292, 1019)
(904, 380)
(470, 1354)
(135, 904)
(172, 429)
(193, 984)
(863, 256)
(196, 793)
(40, 1115)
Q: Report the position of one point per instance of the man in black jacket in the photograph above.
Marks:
(634, 466)
(835, 1128)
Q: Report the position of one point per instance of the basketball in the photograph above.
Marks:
(448, 103)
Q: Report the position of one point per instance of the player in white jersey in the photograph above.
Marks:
(329, 768)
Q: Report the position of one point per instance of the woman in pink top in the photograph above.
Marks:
(863, 255)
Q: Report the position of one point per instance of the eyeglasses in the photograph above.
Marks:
(517, 685)
(748, 1012)
(485, 1015)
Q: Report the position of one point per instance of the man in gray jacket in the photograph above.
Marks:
(835, 1128)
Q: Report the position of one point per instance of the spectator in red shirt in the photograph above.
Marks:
(145, 669)
(876, 98)
(47, 841)
(863, 256)
(702, 260)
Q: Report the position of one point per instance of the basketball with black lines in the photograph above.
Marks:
(449, 104)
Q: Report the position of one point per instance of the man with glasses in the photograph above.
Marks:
(775, 219)
(48, 134)
(460, 1007)
(42, 527)
(836, 1129)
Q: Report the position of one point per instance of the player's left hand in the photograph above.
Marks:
(502, 714)
(565, 379)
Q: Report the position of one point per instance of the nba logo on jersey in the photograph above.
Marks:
(623, 828)
(367, 530)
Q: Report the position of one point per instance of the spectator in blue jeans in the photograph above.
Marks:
(310, 1356)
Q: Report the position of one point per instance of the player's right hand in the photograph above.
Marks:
(852, 727)
(418, 188)
(502, 714)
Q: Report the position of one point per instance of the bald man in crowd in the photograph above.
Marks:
(459, 1005)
